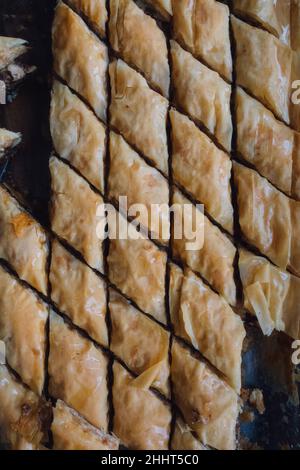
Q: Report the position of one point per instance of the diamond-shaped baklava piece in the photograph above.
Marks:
(264, 215)
(72, 432)
(23, 242)
(214, 258)
(271, 294)
(77, 135)
(78, 372)
(140, 343)
(23, 318)
(147, 187)
(183, 438)
(202, 26)
(141, 420)
(205, 319)
(263, 67)
(202, 169)
(8, 141)
(163, 7)
(94, 11)
(209, 406)
(267, 144)
(74, 213)
(129, 26)
(139, 113)
(82, 67)
(79, 293)
(202, 94)
(275, 17)
(24, 415)
(137, 267)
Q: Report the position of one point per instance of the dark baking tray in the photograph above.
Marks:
(267, 361)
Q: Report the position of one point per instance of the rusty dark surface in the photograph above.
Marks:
(267, 361)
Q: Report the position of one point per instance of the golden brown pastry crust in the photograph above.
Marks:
(83, 68)
(263, 67)
(8, 140)
(23, 318)
(95, 12)
(141, 419)
(78, 372)
(202, 26)
(147, 186)
(207, 321)
(10, 50)
(139, 342)
(271, 294)
(274, 16)
(202, 94)
(77, 134)
(23, 414)
(208, 404)
(214, 260)
(265, 142)
(74, 212)
(137, 268)
(23, 242)
(164, 7)
(137, 38)
(264, 215)
(295, 21)
(71, 432)
(195, 161)
(139, 113)
(79, 293)
(183, 439)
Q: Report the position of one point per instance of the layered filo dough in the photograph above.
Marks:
(267, 144)
(136, 37)
(278, 17)
(71, 431)
(77, 135)
(195, 161)
(140, 343)
(202, 26)
(273, 295)
(147, 187)
(10, 50)
(163, 7)
(139, 113)
(24, 415)
(83, 68)
(263, 67)
(8, 140)
(203, 318)
(76, 213)
(23, 318)
(141, 419)
(269, 220)
(209, 406)
(23, 242)
(202, 94)
(94, 11)
(79, 293)
(78, 372)
(214, 257)
(137, 266)
(183, 438)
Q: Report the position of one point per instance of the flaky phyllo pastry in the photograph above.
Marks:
(8, 140)
(202, 26)
(72, 432)
(271, 294)
(23, 242)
